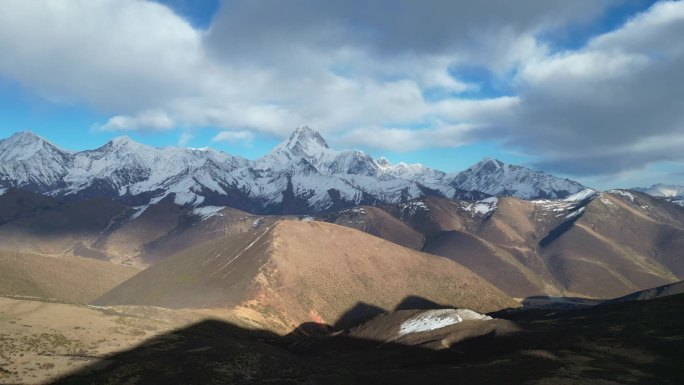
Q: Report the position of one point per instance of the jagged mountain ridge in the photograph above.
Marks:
(496, 178)
(301, 175)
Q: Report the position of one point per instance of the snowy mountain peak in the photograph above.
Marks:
(301, 175)
(125, 141)
(383, 162)
(672, 193)
(305, 141)
(24, 136)
(25, 145)
(488, 164)
(663, 190)
(494, 177)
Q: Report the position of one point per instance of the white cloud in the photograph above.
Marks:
(356, 71)
(154, 120)
(404, 139)
(608, 107)
(117, 55)
(233, 136)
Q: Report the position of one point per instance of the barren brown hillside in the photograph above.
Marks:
(375, 221)
(599, 246)
(106, 230)
(68, 279)
(298, 272)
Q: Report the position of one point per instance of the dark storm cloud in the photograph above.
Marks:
(615, 105)
(386, 27)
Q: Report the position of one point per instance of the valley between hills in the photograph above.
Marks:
(313, 265)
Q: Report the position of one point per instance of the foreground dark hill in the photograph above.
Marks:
(599, 245)
(295, 272)
(628, 343)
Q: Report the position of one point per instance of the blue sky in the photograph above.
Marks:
(580, 89)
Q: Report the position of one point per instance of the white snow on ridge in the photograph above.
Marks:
(436, 319)
(207, 211)
(623, 193)
(572, 206)
(581, 196)
(3, 191)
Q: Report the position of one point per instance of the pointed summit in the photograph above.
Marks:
(24, 145)
(489, 164)
(306, 135)
(305, 142)
(125, 142)
(121, 140)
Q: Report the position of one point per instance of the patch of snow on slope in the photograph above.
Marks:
(570, 207)
(138, 211)
(437, 319)
(207, 211)
(354, 210)
(623, 193)
(679, 202)
(606, 201)
(3, 191)
(581, 196)
(484, 207)
(411, 208)
(257, 222)
(575, 213)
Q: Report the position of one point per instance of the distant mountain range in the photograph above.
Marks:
(301, 175)
(672, 193)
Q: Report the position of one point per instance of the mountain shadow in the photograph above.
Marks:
(414, 302)
(361, 312)
(635, 342)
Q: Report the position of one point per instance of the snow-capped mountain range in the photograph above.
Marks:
(672, 193)
(300, 175)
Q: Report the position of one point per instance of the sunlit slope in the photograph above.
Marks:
(306, 272)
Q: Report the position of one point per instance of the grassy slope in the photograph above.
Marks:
(69, 279)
